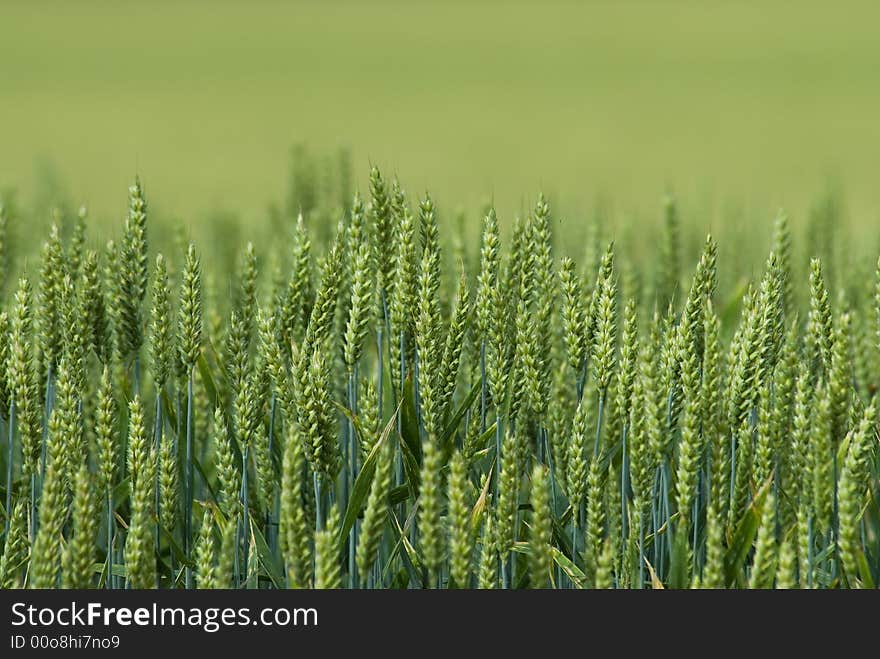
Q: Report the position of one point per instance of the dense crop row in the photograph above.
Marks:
(357, 416)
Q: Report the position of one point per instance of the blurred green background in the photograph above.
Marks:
(745, 105)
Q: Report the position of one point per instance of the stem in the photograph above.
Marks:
(417, 403)
(351, 476)
(833, 530)
(276, 512)
(120, 559)
(574, 538)
(398, 467)
(581, 380)
(624, 483)
(776, 500)
(110, 529)
(380, 370)
(319, 520)
(236, 561)
(402, 360)
(49, 404)
(732, 471)
(271, 537)
(483, 386)
(10, 456)
(33, 525)
(158, 441)
(245, 516)
(599, 422)
(810, 551)
(136, 385)
(579, 525)
(655, 514)
(664, 492)
(828, 549)
(187, 506)
(179, 408)
(694, 522)
(384, 328)
(498, 456)
(551, 463)
(641, 549)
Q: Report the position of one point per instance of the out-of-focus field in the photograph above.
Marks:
(744, 104)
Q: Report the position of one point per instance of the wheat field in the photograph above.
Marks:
(379, 402)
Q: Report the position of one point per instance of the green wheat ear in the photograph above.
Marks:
(604, 323)
(139, 542)
(375, 515)
(487, 577)
(328, 571)
(819, 325)
(669, 273)
(318, 421)
(228, 474)
(506, 504)
(540, 535)
(595, 517)
(160, 327)
(541, 243)
(169, 485)
(430, 505)
(840, 376)
(206, 577)
(573, 317)
(605, 566)
(79, 554)
(321, 318)
(76, 339)
(578, 463)
(53, 269)
(65, 434)
(136, 237)
(45, 563)
(403, 295)
(490, 260)
(296, 305)
(106, 433)
(628, 371)
(821, 467)
(766, 548)
(246, 300)
(189, 332)
(459, 515)
(851, 492)
(226, 558)
(782, 248)
(293, 526)
(383, 229)
(96, 313)
(368, 413)
(786, 571)
(132, 276)
(362, 295)
(20, 373)
(15, 549)
(428, 329)
(455, 340)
